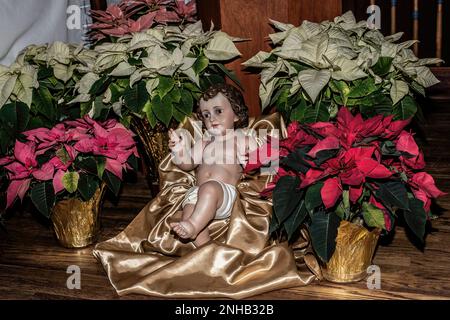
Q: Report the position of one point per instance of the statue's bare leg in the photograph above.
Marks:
(203, 237)
(210, 197)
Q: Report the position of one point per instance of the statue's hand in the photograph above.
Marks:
(176, 141)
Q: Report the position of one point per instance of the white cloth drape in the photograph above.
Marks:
(25, 22)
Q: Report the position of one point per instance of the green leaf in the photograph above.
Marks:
(15, 116)
(6, 140)
(70, 181)
(52, 83)
(274, 225)
(163, 109)
(86, 163)
(388, 149)
(116, 92)
(99, 107)
(298, 113)
(136, 97)
(165, 85)
(281, 96)
(101, 164)
(100, 86)
(316, 113)
(123, 83)
(373, 216)
(150, 115)
(382, 66)
(406, 109)
(340, 87)
(362, 88)
(44, 73)
(85, 107)
(36, 122)
(133, 162)
(43, 197)
(112, 182)
(87, 185)
(393, 194)
(174, 95)
(373, 105)
(187, 102)
(178, 115)
(323, 230)
(200, 64)
(313, 198)
(294, 221)
(324, 155)
(416, 218)
(343, 209)
(339, 101)
(192, 87)
(286, 197)
(296, 160)
(43, 102)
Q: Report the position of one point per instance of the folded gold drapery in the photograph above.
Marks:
(240, 261)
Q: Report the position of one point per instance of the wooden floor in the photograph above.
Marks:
(33, 265)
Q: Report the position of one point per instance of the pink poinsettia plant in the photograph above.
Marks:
(71, 159)
(364, 171)
(130, 16)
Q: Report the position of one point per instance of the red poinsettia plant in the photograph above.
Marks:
(71, 159)
(130, 16)
(363, 171)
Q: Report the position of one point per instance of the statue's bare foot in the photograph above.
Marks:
(184, 229)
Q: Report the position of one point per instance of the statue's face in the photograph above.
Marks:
(218, 115)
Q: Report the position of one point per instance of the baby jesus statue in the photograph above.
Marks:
(218, 158)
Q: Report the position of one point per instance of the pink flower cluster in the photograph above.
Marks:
(117, 20)
(63, 144)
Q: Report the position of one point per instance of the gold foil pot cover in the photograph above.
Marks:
(355, 247)
(76, 222)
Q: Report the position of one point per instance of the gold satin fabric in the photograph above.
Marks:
(240, 261)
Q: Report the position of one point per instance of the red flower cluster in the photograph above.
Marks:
(355, 154)
(118, 20)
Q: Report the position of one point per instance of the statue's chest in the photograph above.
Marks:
(220, 152)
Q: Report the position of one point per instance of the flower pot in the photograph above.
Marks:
(355, 247)
(154, 147)
(76, 222)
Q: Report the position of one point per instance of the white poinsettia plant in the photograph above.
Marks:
(56, 62)
(36, 88)
(157, 73)
(316, 67)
